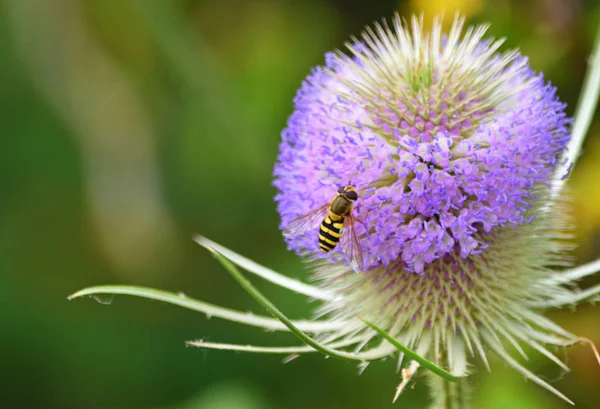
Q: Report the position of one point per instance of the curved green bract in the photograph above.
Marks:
(413, 355)
(298, 328)
(262, 300)
(210, 310)
(584, 114)
(269, 306)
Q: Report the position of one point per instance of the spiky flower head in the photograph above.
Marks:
(452, 146)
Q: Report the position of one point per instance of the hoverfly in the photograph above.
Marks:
(336, 225)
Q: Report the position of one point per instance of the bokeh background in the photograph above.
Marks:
(129, 125)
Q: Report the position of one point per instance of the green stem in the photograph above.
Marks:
(449, 395)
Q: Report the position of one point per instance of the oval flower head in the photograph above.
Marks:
(451, 145)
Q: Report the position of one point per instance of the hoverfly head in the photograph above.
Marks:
(349, 192)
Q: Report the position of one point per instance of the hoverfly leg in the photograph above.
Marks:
(364, 219)
(358, 207)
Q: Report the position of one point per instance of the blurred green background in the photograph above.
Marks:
(129, 125)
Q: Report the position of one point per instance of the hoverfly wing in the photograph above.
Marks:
(351, 246)
(306, 222)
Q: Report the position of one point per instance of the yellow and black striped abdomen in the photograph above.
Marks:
(330, 232)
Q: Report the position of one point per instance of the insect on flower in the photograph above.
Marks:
(334, 218)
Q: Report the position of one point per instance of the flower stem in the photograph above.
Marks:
(449, 395)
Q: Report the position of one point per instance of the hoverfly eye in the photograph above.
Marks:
(352, 195)
(341, 189)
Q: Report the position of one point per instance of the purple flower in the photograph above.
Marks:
(454, 148)
(446, 140)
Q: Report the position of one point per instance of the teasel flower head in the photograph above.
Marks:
(452, 146)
